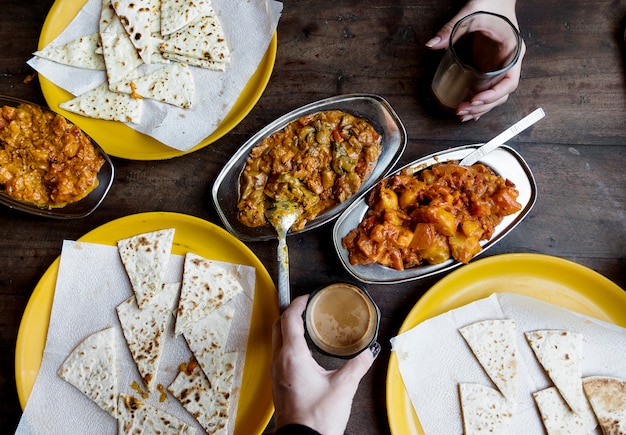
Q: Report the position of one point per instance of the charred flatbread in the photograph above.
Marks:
(176, 14)
(120, 57)
(136, 16)
(557, 417)
(172, 84)
(91, 367)
(206, 287)
(203, 38)
(145, 258)
(607, 396)
(494, 345)
(137, 417)
(101, 103)
(145, 330)
(484, 409)
(207, 398)
(208, 336)
(80, 52)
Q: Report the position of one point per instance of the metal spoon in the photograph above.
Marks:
(507, 134)
(282, 215)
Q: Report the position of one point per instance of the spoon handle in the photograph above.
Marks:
(284, 296)
(507, 134)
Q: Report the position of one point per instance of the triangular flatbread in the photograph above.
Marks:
(203, 39)
(557, 417)
(494, 344)
(120, 57)
(173, 84)
(92, 368)
(101, 103)
(208, 398)
(176, 14)
(137, 417)
(145, 330)
(208, 336)
(484, 410)
(136, 17)
(607, 396)
(560, 353)
(206, 286)
(80, 52)
(145, 258)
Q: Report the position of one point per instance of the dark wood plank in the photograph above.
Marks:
(574, 68)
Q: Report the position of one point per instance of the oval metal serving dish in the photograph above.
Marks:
(505, 161)
(75, 210)
(371, 108)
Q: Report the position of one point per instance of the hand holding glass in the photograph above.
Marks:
(483, 47)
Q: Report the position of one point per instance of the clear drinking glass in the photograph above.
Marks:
(483, 46)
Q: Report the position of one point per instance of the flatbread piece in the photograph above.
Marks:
(80, 52)
(607, 396)
(207, 398)
(172, 84)
(101, 103)
(145, 258)
(206, 286)
(145, 330)
(557, 417)
(484, 410)
(494, 344)
(92, 368)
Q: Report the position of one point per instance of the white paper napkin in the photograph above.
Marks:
(91, 282)
(433, 358)
(249, 27)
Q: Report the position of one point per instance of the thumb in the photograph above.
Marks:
(440, 40)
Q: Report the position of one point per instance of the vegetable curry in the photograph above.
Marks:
(439, 212)
(316, 161)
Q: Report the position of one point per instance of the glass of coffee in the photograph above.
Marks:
(483, 46)
(341, 320)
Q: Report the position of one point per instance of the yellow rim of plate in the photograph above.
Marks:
(33, 328)
(603, 299)
(122, 141)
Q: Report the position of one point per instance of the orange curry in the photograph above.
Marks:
(44, 159)
(440, 212)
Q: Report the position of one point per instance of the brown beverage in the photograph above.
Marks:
(483, 46)
(341, 319)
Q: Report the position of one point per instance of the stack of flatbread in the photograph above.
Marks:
(205, 385)
(145, 47)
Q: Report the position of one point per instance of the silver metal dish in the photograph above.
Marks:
(371, 108)
(75, 210)
(505, 161)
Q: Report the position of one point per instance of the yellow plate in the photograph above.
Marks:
(550, 279)
(122, 141)
(192, 234)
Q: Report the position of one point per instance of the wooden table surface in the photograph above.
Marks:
(574, 68)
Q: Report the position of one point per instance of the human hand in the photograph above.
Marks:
(304, 392)
(497, 95)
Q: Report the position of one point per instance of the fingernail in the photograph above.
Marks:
(433, 42)
(477, 118)
(375, 349)
(467, 118)
(477, 103)
(462, 112)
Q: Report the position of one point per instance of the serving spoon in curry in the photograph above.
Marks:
(282, 215)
